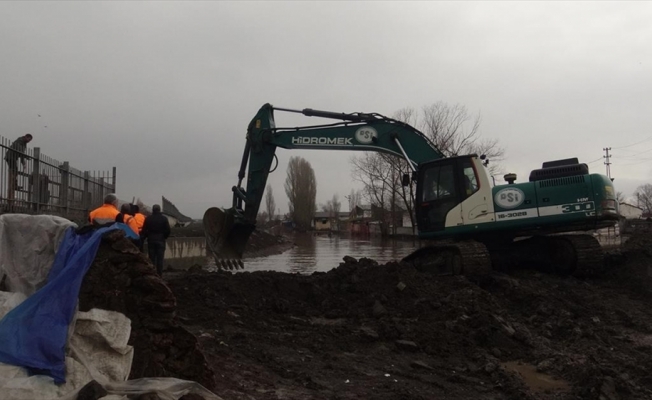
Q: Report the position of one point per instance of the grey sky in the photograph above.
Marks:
(165, 90)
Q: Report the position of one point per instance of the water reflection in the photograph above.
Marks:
(301, 258)
(322, 253)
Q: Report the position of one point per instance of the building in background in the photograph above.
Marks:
(173, 214)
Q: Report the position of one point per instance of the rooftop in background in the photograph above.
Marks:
(170, 209)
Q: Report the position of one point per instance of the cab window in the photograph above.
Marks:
(470, 179)
(439, 183)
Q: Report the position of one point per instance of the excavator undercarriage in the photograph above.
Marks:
(578, 255)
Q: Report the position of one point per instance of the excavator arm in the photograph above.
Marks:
(227, 231)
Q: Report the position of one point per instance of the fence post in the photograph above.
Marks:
(113, 180)
(36, 179)
(86, 201)
(65, 175)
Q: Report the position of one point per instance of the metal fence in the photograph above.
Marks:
(47, 186)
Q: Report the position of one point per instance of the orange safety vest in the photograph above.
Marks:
(104, 214)
(131, 222)
(140, 221)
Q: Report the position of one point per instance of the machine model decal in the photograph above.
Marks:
(365, 135)
(518, 214)
(322, 141)
(509, 197)
(587, 207)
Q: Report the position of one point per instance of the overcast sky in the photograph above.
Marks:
(164, 90)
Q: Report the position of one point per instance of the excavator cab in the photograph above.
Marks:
(443, 185)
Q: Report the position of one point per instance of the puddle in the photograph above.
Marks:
(536, 381)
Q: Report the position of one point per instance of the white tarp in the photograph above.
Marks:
(28, 244)
(97, 340)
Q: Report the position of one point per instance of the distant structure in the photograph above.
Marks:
(173, 214)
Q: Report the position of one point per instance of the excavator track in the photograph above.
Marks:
(587, 259)
(568, 255)
(452, 258)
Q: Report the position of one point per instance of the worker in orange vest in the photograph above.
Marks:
(140, 220)
(138, 216)
(126, 218)
(105, 213)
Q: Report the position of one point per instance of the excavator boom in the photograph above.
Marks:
(227, 231)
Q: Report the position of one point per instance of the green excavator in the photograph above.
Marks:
(467, 225)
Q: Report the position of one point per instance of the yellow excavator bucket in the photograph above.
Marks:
(226, 237)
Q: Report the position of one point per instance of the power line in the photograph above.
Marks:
(637, 162)
(634, 155)
(634, 144)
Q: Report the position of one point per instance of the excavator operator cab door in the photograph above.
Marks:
(441, 186)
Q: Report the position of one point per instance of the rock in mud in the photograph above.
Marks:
(91, 391)
(407, 345)
(379, 310)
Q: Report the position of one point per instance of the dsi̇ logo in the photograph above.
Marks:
(509, 197)
(366, 135)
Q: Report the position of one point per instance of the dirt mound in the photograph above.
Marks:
(389, 331)
(122, 279)
(639, 243)
(364, 330)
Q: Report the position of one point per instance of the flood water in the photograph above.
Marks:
(323, 253)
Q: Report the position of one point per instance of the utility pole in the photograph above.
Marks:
(607, 163)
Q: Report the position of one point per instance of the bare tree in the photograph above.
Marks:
(375, 174)
(451, 128)
(456, 132)
(262, 218)
(643, 195)
(620, 197)
(301, 189)
(336, 205)
(332, 207)
(270, 204)
(354, 198)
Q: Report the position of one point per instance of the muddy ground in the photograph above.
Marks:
(368, 331)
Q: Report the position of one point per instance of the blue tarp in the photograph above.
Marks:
(34, 334)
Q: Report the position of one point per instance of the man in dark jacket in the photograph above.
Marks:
(15, 152)
(156, 230)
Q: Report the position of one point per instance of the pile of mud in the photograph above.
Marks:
(122, 279)
(364, 330)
